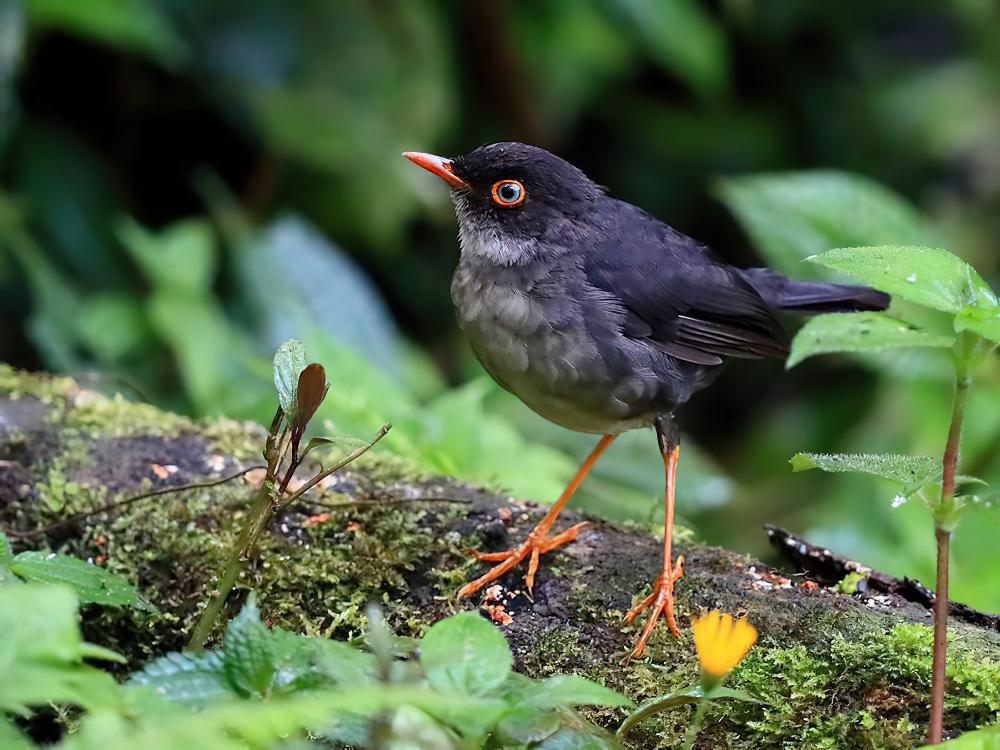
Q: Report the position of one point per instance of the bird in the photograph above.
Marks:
(602, 319)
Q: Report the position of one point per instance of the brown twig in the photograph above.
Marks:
(125, 503)
(388, 503)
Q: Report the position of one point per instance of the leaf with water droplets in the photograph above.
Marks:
(928, 276)
(289, 362)
(859, 332)
(912, 472)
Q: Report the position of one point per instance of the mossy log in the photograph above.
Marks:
(833, 670)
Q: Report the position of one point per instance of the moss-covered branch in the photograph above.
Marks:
(836, 670)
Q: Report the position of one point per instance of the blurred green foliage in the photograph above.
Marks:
(184, 185)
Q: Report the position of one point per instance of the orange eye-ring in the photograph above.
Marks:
(508, 193)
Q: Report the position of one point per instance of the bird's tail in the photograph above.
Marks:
(783, 293)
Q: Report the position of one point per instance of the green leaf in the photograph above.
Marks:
(792, 215)
(41, 653)
(988, 328)
(584, 736)
(465, 654)
(680, 698)
(344, 664)
(248, 651)
(11, 738)
(181, 258)
(91, 583)
(131, 24)
(684, 39)
(194, 678)
(525, 725)
(927, 276)
(239, 724)
(6, 553)
(981, 739)
(912, 472)
(567, 691)
(6, 556)
(289, 362)
(859, 332)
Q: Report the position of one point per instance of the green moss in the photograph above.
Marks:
(46, 388)
(117, 417)
(867, 692)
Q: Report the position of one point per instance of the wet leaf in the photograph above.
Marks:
(859, 332)
(187, 677)
(912, 472)
(927, 276)
(91, 583)
(289, 362)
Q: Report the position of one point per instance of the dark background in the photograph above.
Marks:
(183, 185)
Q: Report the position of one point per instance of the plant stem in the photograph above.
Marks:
(942, 534)
(263, 511)
(267, 502)
(695, 726)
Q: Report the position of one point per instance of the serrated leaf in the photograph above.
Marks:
(91, 583)
(194, 678)
(567, 691)
(465, 654)
(927, 276)
(912, 472)
(289, 362)
(249, 651)
(859, 332)
(792, 215)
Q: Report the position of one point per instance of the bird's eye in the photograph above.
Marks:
(508, 193)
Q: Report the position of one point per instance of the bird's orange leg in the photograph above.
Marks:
(538, 542)
(661, 601)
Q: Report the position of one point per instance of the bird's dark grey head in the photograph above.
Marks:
(510, 196)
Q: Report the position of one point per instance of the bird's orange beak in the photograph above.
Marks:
(437, 165)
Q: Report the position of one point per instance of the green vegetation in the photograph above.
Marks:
(267, 685)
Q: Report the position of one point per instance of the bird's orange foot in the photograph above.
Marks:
(661, 601)
(537, 544)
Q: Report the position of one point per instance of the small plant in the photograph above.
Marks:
(938, 280)
(90, 583)
(721, 642)
(301, 389)
(268, 686)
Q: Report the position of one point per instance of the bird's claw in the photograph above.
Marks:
(660, 601)
(537, 544)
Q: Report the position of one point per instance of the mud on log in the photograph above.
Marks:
(833, 670)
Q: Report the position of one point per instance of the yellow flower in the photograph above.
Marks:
(721, 642)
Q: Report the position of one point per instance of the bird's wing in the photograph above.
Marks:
(684, 302)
